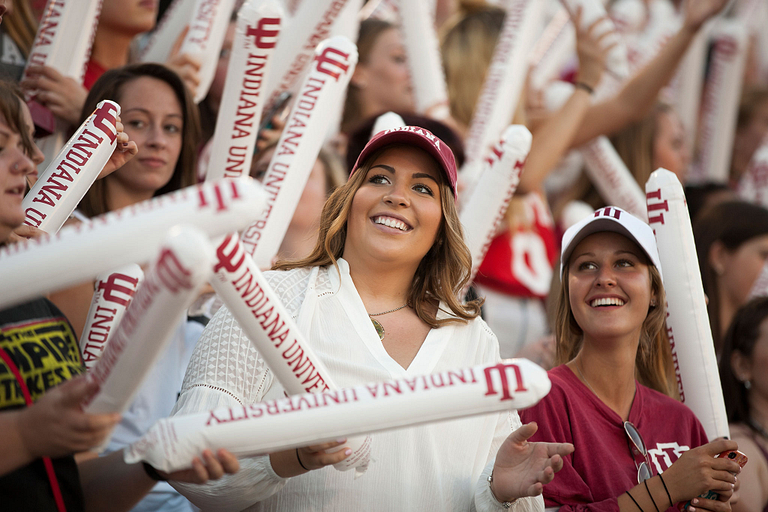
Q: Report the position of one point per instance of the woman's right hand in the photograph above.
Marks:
(698, 471)
(295, 462)
(56, 425)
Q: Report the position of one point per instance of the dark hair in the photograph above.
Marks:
(701, 196)
(360, 137)
(11, 99)
(109, 87)
(741, 337)
(731, 223)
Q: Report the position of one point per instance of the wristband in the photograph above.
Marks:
(152, 473)
(505, 504)
(300, 463)
(582, 85)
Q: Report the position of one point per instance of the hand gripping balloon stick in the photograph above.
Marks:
(503, 84)
(237, 123)
(269, 326)
(299, 144)
(207, 28)
(130, 235)
(114, 291)
(319, 417)
(721, 100)
(170, 286)
(485, 208)
(424, 62)
(68, 177)
(690, 337)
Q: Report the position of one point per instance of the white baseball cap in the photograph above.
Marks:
(615, 220)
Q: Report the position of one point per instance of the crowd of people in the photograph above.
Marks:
(373, 269)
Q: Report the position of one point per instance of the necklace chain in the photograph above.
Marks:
(390, 311)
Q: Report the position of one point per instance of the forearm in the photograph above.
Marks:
(647, 498)
(552, 139)
(637, 97)
(111, 484)
(13, 452)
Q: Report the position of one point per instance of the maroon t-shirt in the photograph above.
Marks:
(602, 466)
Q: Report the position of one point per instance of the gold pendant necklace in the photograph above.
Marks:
(377, 325)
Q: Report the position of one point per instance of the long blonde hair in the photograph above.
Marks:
(441, 274)
(653, 362)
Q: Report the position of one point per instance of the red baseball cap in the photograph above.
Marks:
(420, 138)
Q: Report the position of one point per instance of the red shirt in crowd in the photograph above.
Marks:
(602, 466)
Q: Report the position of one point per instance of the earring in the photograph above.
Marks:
(718, 270)
(747, 385)
(653, 303)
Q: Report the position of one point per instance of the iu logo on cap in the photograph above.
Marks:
(609, 211)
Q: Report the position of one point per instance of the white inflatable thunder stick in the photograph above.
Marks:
(167, 32)
(591, 11)
(663, 23)
(690, 337)
(299, 144)
(387, 121)
(482, 212)
(129, 235)
(688, 82)
(604, 166)
(424, 61)
(312, 24)
(554, 48)
(721, 100)
(113, 292)
(274, 334)
(65, 36)
(207, 29)
(503, 83)
(171, 284)
(237, 123)
(753, 185)
(68, 177)
(319, 417)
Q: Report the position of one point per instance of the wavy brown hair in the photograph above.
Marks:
(110, 86)
(653, 363)
(441, 274)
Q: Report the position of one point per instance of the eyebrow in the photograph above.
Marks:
(415, 175)
(147, 112)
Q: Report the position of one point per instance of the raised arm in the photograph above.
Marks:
(638, 95)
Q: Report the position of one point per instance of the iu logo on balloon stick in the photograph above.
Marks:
(263, 37)
(501, 371)
(172, 273)
(330, 58)
(104, 113)
(112, 288)
(656, 210)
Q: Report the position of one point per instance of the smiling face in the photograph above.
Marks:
(609, 287)
(396, 213)
(153, 117)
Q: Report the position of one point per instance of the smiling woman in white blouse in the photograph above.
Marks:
(378, 299)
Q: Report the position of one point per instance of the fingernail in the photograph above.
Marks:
(695, 501)
(341, 440)
(348, 452)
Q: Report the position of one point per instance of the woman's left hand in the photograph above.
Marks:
(125, 150)
(522, 468)
(210, 468)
